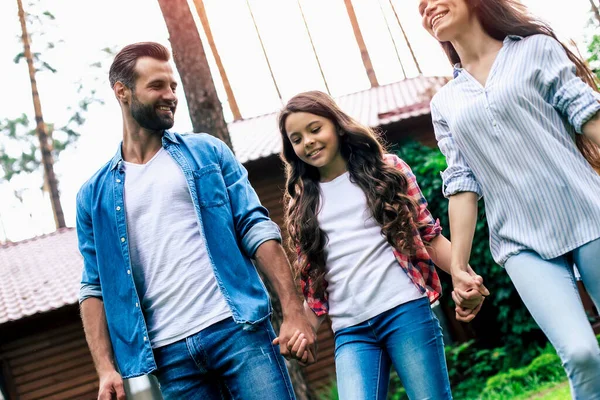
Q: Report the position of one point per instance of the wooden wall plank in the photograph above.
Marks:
(52, 364)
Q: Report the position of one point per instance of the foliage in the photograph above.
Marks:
(594, 51)
(18, 137)
(329, 392)
(503, 318)
(545, 369)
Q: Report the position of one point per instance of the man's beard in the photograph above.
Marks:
(147, 116)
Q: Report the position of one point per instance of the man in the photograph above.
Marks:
(167, 230)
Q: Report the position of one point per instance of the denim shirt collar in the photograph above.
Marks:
(458, 67)
(118, 157)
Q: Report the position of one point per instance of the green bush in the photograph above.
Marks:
(544, 369)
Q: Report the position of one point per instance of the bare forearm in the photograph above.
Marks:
(591, 129)
(440, 251)
(462, 211)
(273, 263)
(96, 334)
(314, 320)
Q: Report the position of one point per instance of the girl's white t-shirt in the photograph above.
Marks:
(364, 279)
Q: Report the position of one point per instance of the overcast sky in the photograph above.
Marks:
(88, 26)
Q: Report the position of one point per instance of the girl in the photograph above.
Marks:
(367, 246)
(519, 125)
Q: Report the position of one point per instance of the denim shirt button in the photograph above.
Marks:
(118, 181)
(145, 338)
(118, 208)
(137, 305)
(123, 240)
(128, 272)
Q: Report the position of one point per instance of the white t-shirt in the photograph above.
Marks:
(173, 275)
(364, 279)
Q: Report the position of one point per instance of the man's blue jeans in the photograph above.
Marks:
(409, 337)
(224, 361)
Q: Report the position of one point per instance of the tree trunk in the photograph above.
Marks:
(595, 9)
(211, 42)
(207, 115)
(205, 108)
(410, 48)
(262, 46)
(361, 44)
(313, 48)
(392, 38)
(42, 133)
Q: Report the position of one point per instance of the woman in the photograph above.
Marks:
(520, 126)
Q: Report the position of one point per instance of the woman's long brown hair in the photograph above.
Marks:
(384, 186)
(500, 18)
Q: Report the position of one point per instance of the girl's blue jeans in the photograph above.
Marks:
(408, 337)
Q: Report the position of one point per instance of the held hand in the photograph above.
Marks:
(468, 279)
(298, 345)
(469, 293)
(467, 314)
(289, 332)
(111, 387)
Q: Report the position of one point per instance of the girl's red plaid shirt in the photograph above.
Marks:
(419, 267)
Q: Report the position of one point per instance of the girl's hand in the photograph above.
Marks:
(469, 293)
(297, 346)
(467, 315)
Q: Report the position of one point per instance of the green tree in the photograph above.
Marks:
(593, 46)
(594, 58)
(29, 145)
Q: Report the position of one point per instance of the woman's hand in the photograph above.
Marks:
(469, 293)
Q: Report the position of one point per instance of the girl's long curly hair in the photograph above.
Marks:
(384, 186)
(500, 18)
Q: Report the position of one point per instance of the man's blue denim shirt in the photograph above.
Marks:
(231, 220)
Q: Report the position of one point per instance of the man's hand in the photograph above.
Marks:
(291, 329)
(111, 387)
(298, 345)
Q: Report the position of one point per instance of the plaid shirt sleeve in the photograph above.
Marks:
(431, 227)
(419, 267)
(318, 303)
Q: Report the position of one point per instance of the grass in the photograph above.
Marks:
(555, 392)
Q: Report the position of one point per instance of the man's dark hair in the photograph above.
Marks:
(123, 66)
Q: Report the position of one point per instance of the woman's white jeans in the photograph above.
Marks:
(549, 290)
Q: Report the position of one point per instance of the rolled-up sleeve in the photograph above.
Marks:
(252, 223)
(90, 279)
(577, 101)
(458, 176)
